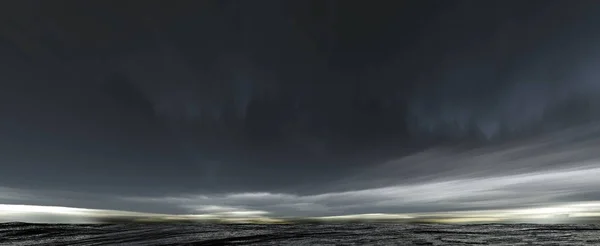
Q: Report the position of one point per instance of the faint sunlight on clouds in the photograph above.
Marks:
(521, 190)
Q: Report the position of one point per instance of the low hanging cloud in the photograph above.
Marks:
(559, 168)
(543, 171)
(519, 190)
(11, 194)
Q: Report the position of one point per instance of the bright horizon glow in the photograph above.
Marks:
(29, 213)
(538, 194)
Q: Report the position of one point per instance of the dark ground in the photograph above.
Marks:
(330, 234)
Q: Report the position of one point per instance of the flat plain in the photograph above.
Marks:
(15, 234)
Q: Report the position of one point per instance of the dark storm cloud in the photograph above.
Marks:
(247, 108)
(509, 72)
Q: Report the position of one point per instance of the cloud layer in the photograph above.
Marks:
(557, 168)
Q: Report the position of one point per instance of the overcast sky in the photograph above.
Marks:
(299, 108)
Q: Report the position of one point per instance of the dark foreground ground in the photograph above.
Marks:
(332, 234)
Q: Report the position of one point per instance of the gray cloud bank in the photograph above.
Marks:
(541, 172)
